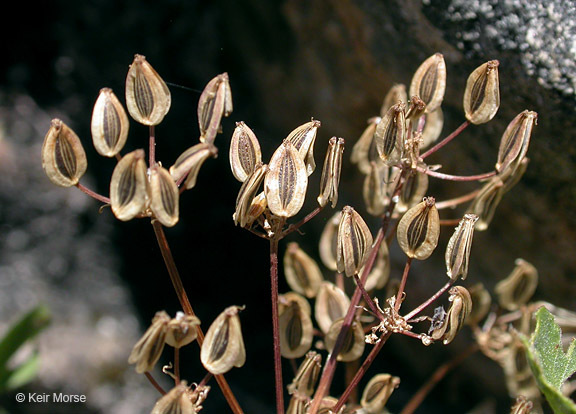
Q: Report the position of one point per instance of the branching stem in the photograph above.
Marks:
(93, 194)
(446, 140)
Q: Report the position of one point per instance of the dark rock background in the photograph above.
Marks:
(289, 61)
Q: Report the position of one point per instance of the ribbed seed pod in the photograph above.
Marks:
(432, 127)
(517, 289)
(353, 346)
(482, 94)
(63, 157)
(286, 181)
(303, 138)
(515, 140)
(164, 196)
(328, 404)
(147, 96)
(109, 125)
(296, 330)
(413, 191)
(364, 151)
(331, 304)
(418, 230)
(128, 186)
(214, 103)
(147, 350)
(396, 94)
(181, 330)
(189, 162)
(305, 379)
(176, 401)
(380, 272)
(377, 392)
(246, 196)
(302, 273)
(485, 203)
(390, 135)
(329, 242)
(245, 152)
(298, 405)
(481, 301)
(354, 242)
(374, 189)
(331, 172)
(459, 309)
(223, 346)
(429, 82)
(458, 250)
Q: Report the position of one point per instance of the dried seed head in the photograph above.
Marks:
(303, 138)
(515, 140)
(377, 392)
(305, 379)
(329, 242)
(354, 242)
(331, 172)
(418, 230)
(181, 330)
(482, 94)
(215, 102)
(353, 341)
(331, 304)
(522, 406)
(245, 152)
(147, 350)
(128, 186)
(485, 203)
(364, 151)
(416, 109)
(296, 331)
(176, 401)
(380, 272)
(246, 198)
(413, 191)
(517, 289)
(286, 181)
(147, 96)
(459, 309)
(432, 127)
(481, 301)
(458, 250)
(109, 124)
(189, 162)
(390, 135)
(396, 94)
(223, 346)
(429, 82)
(302, 273)
(63, 157)
(164, 196)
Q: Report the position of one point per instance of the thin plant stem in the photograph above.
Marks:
(402, 284)
(429, 300)
(276, 325)
(154, 383)
(446, 140)
(450, 222)
(369, 302)
(205, 380)
(305, 220)
(453, 202)
(450, 177)
(435, 378)
(93, 194)
(177, 364)
(152, 147)
(351, 370)
(118, 157)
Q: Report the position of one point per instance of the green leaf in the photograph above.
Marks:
(24, 373)
(549, 364)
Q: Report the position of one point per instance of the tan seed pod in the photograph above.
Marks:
(223, 346)
(214, 103)
(147, 96)
(485, 203)
(331, 304)
(164, 196)
(365, 150)
(429, 81)
(147, 350)
(377, 392)
(522, 405)
(303, 138)
(286, 181)
(189, 162)
(128, 186)
(305, 379)
(413, 191)
(176, 401)
(396, 94)
(245, 152)
(331, 172)
(296, 330)
(380, 272)
(63, 157)
(458, 250)
(517, 289)
(374, 190)
(511, 177)
(354, 344)
(432, 127)
(354, 242)
(418, 230)
(246, 199)
(482, 94)
(390, 135)
(328, 404)
(329, 242)
(481, 301)
(460, 307)
(109, 125)
(181, 330)
(515, 140)
(302, 272)
(298, 405)
(256, 209)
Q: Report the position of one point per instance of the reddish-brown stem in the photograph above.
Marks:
(369, 302)
(446, 140)
(276, 325)
(118, 157)
(305, 220)
(458, 200)
(177, 365)
(205, 380)
(436, 377)
(411, 334)
(429, 300)
(450, 177)
(402, 284)
(351, 370)
(152, 147)
(93, 194)
(154, 383)
(450, 222)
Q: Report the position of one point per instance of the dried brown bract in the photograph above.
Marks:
(109, 125)
(396, 94)
(147, 350)
(429, 81)
(482, 94)
(181, 330)
(416, 109)
(459, 309)
(245, 152)
(303, 138)
(331, 304)
(458, 250)
(515, 140)
(413, 191)
(377, 392)
(329, 242)
(223, 346)
(302, 272)
(305, 379)
(176, 401)
(354, 344)
(418, 230)
(354, 242)
(296, 331)
(331, 172)
(517, 289)
(164, 196)
(189, 162)
(63, 157)
(390, 135)
(147, 96)
(214, 103)
(486, 201)
(128, 186)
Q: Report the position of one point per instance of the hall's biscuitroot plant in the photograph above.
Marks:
(352, 324)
